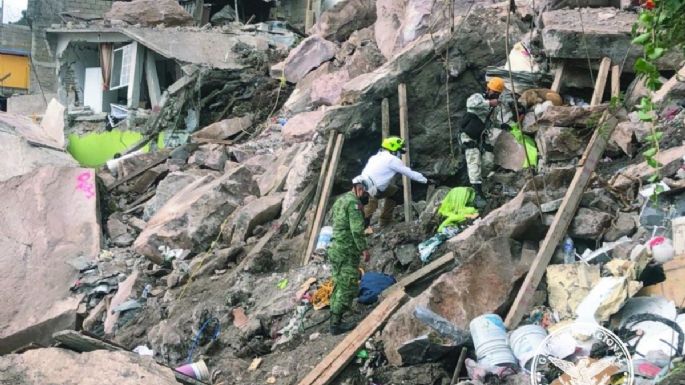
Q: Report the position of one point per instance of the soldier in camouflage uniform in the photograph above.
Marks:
(347, 246)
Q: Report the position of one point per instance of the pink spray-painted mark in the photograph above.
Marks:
(84, 184)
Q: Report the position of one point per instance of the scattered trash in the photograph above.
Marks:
(372, 285)
(441, 325)
(525, 342)
(143, 350)
(197, 370)
(569, 251)
(322, 296)
(589, 255)
(127, 305)
(654, 189)
(314, 336)
(255, 364)
(606, 298)
(490, 340)
(428, 247)
(325, 237)
(661, 248)
(363, 354)
(282, 284)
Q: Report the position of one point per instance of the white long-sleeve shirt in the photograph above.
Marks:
(382, 167)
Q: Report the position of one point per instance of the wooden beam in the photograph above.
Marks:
(568, 207)
(558, 74)
(600, 83)
(428, 270)
(460, 365)
(615, 80)
(320, 182)
(562, 220)
(152, 80)
(325, 195)
(404, 134)
(82, 343)
(344, 352)
(385, 118)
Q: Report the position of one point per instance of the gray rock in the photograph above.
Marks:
(251, 215)
(589, 224)
(310, 54)
(558, 143)
(212, 156)
(406, 254)
(624, 225)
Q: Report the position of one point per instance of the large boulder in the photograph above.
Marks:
(596, 33)
(344, 18)
(149, 13)
(481, 284)
(49, 219)
(559, 143)
(310, 54)
(168, 187)
(25, 147)
(226, 128)
(212, 156)
(192, 217)
(509, 154)
(253, 214)
(302, 127)
(99, 367)
(671, 160)
(327, 89)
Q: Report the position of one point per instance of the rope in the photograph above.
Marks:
(196, 339)
(516, 108)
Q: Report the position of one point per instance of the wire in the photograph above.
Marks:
(196, 339)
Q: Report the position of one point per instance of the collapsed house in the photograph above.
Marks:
(209, 262)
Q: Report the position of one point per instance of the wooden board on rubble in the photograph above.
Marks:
(344, 352)
(82, 343)
(569, 205)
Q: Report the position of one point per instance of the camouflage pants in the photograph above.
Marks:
(477, 164)
(345, 271)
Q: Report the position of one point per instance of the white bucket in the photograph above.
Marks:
(525, 342)
(490, 340)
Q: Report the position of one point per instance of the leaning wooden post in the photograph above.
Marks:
(385, 118)
(325, 196)
(404, 134)
(569, 205)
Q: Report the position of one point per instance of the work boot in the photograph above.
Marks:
(339, 327)
(479, 201)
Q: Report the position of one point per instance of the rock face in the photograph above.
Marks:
(49, 217)
(347, 16)
(100, 367)
(302, 127)
(253, 214)
(225, 128)
(192, 217)
(311, 53)
(326, 89)
(150, 13)
(482, 284)
(604, 32)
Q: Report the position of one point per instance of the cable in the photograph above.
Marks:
(196, 339)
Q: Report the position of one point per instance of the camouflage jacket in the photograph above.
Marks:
(348, 225)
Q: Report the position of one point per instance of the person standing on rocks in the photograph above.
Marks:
(348, 244)
(485, 113)
(378, 175)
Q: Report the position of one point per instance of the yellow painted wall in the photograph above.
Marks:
(18, 66)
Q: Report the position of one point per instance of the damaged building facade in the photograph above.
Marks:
(168, 214)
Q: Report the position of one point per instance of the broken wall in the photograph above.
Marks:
(44, 13)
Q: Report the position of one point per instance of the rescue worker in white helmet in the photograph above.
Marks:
(378, 177)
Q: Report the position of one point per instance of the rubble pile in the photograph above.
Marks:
(185, 248)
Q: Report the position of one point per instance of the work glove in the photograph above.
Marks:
(423, 180)
(366, 255)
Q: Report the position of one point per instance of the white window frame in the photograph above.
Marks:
(124, 68)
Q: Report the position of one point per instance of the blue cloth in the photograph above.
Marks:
(372, 285)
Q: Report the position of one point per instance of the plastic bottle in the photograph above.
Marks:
(324, 239)
(569, 251)
(441, 325)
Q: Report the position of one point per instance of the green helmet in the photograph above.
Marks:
(393, 144)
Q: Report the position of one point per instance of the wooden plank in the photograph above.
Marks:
(385, 118)
(404, 134)
(325, 195)
(427, 270)
(152, 80)
(300, 216)
(558, 74)
(138, 172)
(460, 365)
(615, 80)
(600, 83)
(344, 352)
(320, 182)
(82, 343)
(562, 220)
